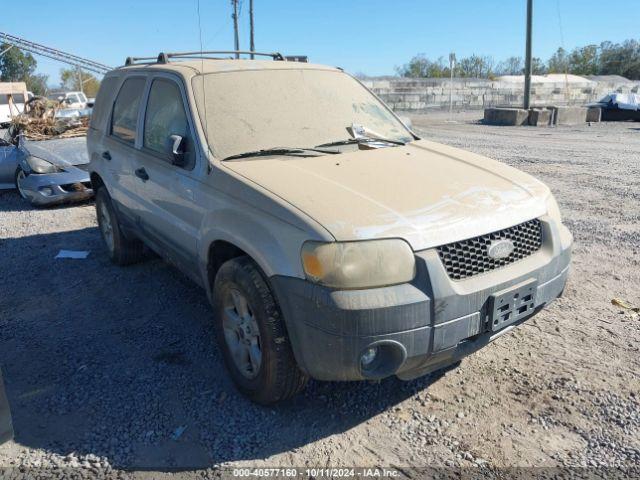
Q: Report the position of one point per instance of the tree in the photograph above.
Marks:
(559, 62)
(15, 65)
(584, 61)
(538, 67)
(476, 66)
(421, 67)
(37, 84)
(70, 79)
(620, 59)
(511, 66)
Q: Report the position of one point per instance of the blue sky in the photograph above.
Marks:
(371, 36)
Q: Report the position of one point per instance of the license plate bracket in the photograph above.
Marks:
(512, 304)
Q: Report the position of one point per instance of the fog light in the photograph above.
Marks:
(46, 191)
(368, 357)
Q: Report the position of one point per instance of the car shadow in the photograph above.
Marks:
(121, 363)
(11, 201)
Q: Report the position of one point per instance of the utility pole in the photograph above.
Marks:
(252, 45)
(234, 15)
(80, 79)
(528, 60)
(452, 66)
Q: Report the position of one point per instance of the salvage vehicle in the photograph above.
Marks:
(331, 240)
(47, 171)
(70, 99)
(619, 107)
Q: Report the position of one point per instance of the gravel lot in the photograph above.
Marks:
(116, 368)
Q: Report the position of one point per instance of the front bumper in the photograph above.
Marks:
(56, 188)
(418, 327)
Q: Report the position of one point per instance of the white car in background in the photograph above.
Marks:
(13, 96)
(69, 99)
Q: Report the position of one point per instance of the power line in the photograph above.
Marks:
(58, 55)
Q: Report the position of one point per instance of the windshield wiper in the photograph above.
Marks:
(352, 141)
(279, 151)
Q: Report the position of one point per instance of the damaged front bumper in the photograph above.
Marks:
(418, 327)
(56, 188)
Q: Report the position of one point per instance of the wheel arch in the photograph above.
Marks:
(96, 181)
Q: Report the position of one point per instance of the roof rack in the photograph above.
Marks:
(141, 60)
(164, 57)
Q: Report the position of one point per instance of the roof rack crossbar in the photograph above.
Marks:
(133, 60)
(274, 55)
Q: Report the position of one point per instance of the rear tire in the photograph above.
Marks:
(252, 336)
(122, 250)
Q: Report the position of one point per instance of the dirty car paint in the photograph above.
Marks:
(424, 192)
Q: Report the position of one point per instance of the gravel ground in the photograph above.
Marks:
(110, 368)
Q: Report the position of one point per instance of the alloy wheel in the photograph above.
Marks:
(20, 177)
(241, 333)
(106, 226)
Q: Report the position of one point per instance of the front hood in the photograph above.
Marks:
(427, 193)
(59, 151)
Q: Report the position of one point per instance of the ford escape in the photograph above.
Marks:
(332, 242)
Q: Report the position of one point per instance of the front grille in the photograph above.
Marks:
(470, 257)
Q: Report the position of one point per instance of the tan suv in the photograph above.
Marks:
(332, 242)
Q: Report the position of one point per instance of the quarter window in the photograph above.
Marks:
(165, 117)
(125, 110)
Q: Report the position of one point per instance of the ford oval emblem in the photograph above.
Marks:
(500, 249)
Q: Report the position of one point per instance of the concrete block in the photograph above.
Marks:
(506, 116)
(539, 117)
(570, 115)
(594, 114)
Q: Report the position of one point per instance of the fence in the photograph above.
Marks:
(421, 94)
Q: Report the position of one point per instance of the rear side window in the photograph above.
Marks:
(165, 116)
(103, 101)
(125, 110)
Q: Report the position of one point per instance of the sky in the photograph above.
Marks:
(362, 36)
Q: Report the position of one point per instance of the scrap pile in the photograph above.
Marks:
(39, 122)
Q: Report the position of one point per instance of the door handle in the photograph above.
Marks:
(106, 155)
(142, 174)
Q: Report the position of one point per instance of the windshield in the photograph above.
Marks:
(245, 111)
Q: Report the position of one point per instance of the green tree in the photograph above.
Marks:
(476, 66)
(538, 67)
(37, 83)
(70, 78)
(620, 59)
(421, 67)
(15, 65)
(510, 66)
(559, 62)
(584, 60)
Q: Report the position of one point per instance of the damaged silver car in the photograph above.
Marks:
(46, 172)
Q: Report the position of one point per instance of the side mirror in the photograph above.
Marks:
(178, 145)
(407, 122)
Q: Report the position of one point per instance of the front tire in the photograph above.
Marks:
(252, 335)
(19, 177)
(122, 250)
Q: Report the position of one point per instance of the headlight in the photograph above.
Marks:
(552, 209)
(39, 165)
(362, 264)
